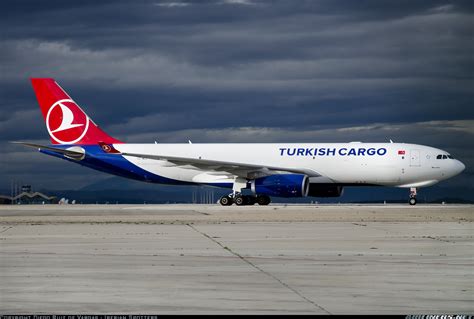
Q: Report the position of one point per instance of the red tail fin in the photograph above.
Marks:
(65, 121)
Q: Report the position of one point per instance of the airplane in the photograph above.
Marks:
(265, 170)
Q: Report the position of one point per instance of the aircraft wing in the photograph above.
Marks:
(245, 170)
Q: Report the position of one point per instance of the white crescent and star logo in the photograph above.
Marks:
(66, 122)
(106, 148)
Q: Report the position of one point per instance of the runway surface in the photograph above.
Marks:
(208, 259)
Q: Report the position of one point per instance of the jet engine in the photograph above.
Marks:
(281, 185)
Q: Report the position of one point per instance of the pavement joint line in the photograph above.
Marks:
(260, 270)
(202, 213)
(6, 229)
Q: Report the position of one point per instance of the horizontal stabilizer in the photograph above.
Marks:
(73, 152)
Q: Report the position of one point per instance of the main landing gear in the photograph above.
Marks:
(241, 200)
(412, 199)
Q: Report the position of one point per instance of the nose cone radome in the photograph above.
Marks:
(459, 167)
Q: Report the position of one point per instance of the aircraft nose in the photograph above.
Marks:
(459, 167)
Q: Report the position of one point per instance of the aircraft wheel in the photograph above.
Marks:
(250, 200)
(412, 201)
(263, 199)
(226, 200)
(240, 201)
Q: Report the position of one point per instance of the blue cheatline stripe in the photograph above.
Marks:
(115, 164)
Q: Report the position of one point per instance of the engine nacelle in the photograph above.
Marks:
(282, 185)
(318, 190)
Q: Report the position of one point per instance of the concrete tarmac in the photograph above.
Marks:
(208, 259)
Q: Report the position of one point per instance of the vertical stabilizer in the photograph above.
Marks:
(65, 121)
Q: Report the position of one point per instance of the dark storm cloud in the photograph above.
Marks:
(225, 71)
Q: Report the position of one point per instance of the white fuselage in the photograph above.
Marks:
(388, 164)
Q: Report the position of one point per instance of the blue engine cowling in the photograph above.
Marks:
(282, 185)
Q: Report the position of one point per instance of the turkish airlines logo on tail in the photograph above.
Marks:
(66, 122)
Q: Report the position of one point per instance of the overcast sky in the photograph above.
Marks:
(239, 71)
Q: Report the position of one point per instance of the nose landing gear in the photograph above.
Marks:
(412, 199)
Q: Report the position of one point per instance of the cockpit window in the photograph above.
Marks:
(439, 156)
(445, 157)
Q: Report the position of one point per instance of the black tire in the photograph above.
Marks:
(240, 201)
(225, 201)
(250, 200)
(412, 201)
(263, 199)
